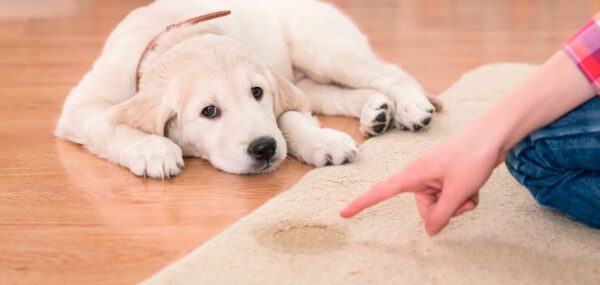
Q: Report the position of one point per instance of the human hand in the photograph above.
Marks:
(445, 180)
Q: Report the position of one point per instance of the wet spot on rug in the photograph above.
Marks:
(303, 236)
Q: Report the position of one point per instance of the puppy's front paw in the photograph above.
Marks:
(413, 111)
(376, 115)
(327, 147)
(153, 156)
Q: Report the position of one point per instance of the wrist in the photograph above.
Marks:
(493, 134)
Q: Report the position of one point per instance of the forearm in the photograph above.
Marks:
(553, 90)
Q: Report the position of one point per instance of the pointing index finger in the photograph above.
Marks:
(401, 182)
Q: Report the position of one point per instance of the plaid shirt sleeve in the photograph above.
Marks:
(584, 49)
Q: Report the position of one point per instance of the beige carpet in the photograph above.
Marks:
(298, 237)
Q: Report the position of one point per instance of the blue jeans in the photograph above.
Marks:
(560, 164)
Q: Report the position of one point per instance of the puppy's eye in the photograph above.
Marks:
(257, 93)
(211, 112)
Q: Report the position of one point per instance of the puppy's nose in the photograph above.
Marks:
(262, 148)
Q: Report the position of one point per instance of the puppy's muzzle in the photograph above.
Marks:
(263, 148)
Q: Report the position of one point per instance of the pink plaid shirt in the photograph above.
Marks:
(584, 49)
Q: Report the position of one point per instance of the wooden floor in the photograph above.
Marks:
(68, 217)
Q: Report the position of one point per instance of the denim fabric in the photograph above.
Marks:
(560, 164)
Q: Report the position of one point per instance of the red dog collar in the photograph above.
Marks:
(154, 42)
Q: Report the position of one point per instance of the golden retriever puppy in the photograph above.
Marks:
(174, 80)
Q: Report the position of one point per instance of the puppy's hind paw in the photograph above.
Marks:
(376, 116)
(413, 112)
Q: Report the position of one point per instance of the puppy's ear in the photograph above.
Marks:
(145, 111)
(287, 97)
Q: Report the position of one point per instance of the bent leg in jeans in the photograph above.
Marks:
(560, 164)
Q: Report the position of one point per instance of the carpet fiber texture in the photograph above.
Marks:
(298, 237)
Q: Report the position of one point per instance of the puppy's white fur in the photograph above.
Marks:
(264, 43)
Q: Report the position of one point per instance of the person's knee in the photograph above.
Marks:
(530, 163)
(563, 190)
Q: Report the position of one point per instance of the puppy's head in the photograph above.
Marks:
(216, 101)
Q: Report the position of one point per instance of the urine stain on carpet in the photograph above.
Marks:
(303, 236)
